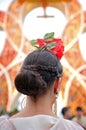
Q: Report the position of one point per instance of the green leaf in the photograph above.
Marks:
(49, 36)
(33, 42)
(51, 45)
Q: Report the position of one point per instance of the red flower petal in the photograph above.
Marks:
(54, 40)
(59, 49)
(41, 42)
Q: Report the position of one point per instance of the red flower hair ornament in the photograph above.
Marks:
(52, 44)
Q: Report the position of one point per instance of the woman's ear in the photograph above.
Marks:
(57, 85)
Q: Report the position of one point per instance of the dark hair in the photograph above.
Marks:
(79, 108)
(64, 110)
(39, 70)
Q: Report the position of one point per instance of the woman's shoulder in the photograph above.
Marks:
(47, 121)
(70, 125)
(5, 123)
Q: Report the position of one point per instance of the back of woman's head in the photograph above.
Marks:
(39, 70)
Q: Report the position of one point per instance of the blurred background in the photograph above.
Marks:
(23, 20)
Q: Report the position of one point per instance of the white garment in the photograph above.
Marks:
(82, 121)
(40, 122)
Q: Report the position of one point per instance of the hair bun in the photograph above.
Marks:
(30, 83)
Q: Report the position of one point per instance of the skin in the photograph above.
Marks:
(68, 114)
(43, 105)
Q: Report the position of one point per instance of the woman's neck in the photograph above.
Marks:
(43, 106)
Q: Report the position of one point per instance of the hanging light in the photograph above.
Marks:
(44, 5)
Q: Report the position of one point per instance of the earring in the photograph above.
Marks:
(56, 95)
(55, 104)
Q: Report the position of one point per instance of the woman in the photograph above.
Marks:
(40, 79)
